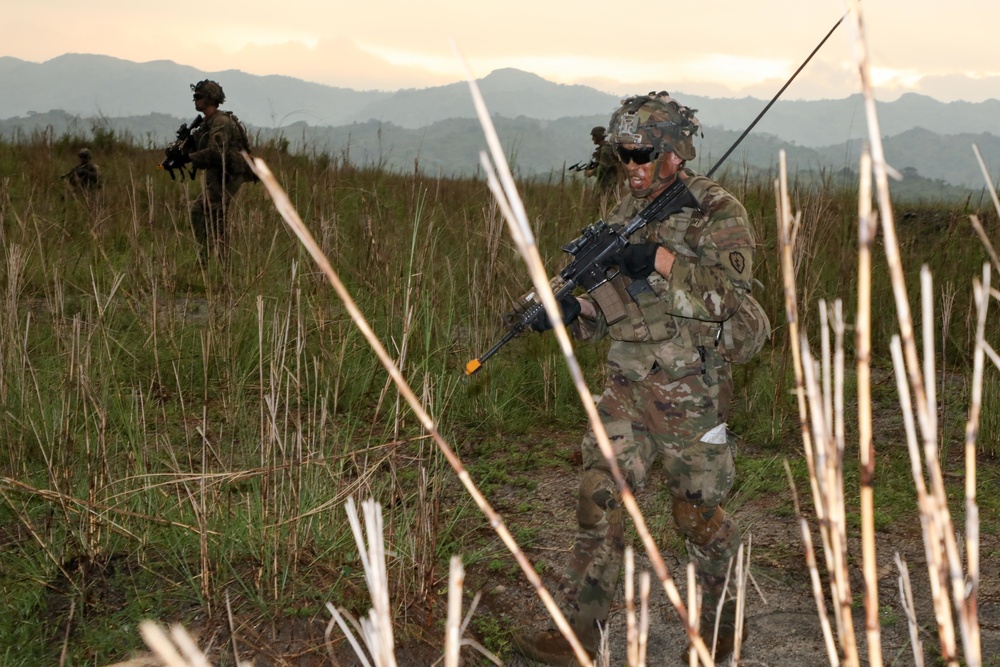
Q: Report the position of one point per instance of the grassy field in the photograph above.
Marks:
(174, 436)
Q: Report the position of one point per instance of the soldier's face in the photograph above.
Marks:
(640, 176)
(199, 102)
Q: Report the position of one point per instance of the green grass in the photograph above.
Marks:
(214, 422)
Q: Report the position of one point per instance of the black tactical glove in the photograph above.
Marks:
(637, 260)
(570, 307)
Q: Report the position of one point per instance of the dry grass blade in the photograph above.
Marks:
(926, 504)
(693, 606)
(341, 617)
(978, 226)
(989, 184)
(969, 613)
(866, 446)
(814, 578)
(378, 634)
(453, 629)
(644, 587)
(830, 486)
(742, 574)
(169, 650)
(906, 597)
(631, 623)
(79, 506)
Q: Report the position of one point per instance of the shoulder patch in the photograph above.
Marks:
(738, 261)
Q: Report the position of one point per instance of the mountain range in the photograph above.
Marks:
(544, 124)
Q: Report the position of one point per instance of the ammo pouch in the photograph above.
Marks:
(634, 313)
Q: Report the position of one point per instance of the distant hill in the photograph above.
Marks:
(91, 85)
(543, 124)
(94, 85)
(508, 92)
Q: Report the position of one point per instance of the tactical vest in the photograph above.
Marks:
(636, 314)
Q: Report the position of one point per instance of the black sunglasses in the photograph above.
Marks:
(637, 155)
(198, 96)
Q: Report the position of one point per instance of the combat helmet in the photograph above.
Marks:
(211, 90)
(598, 132)
(84, 154)
(656, 120)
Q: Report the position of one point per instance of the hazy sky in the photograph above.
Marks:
(724, 48)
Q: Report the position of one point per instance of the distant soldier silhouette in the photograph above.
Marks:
(215, 147)
(604, 166)
(86, 176)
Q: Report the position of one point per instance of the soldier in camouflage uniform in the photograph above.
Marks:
(215, 148)
(86, 176)
(668, 390)
(605, 167)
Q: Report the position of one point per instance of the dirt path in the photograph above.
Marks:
(782, 622)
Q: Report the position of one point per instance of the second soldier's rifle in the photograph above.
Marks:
(582, 165)
(593, 262)
(178, 149)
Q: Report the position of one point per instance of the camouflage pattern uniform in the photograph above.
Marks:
(606, 169)
(667, 394)
(216, 146)
(86, 175)
(667, 391)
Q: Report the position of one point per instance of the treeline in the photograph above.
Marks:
(935, 167)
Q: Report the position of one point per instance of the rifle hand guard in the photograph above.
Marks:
(177, 150)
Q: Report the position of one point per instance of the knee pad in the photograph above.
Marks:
(599, 499)
(698, 523)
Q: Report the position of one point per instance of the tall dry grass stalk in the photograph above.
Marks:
(866, 447)
(824, 449)
(377, 629)
(945, 545)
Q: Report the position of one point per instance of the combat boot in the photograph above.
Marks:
(726, 641)
(549, 647)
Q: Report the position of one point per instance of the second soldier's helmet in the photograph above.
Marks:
(597, 132)
(211, 90)
(84, 154)
(656, 120)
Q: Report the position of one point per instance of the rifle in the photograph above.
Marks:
(593, 262)
(582, 165)
(178, 149)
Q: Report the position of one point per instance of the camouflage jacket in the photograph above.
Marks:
(217, 145)
(85, 175)
(670, 318)
(607, 168)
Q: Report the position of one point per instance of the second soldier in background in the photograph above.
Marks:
(604, 166)
(216, 147)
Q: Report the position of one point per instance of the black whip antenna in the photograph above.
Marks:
(775, 98)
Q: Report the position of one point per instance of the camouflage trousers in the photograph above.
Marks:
(681, 422)
(209, 212)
